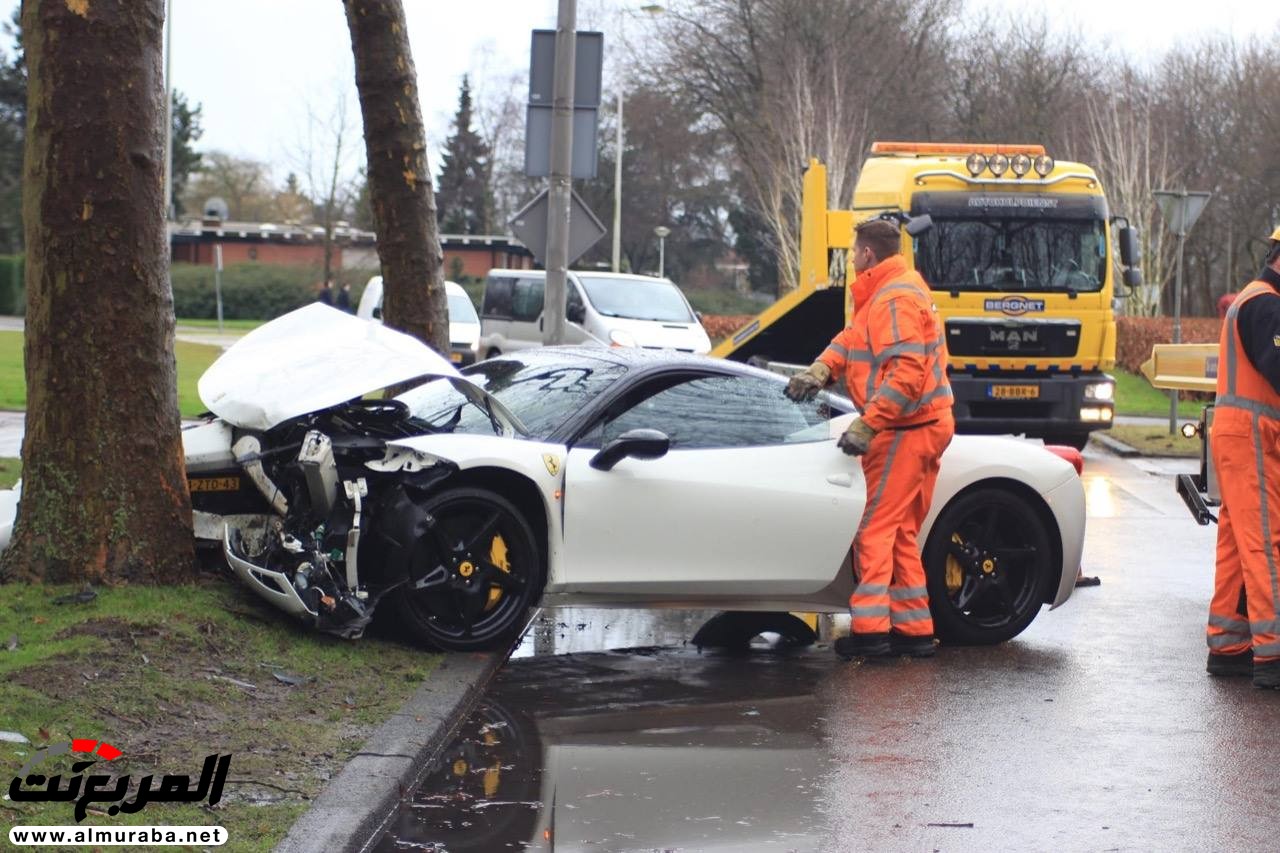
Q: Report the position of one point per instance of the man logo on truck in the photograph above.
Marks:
(1014, 306)
(1014, 338)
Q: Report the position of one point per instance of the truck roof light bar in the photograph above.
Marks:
(954, 148)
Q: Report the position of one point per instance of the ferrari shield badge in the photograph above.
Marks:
(552, 462)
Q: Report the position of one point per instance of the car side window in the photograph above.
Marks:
(497, 297)
(573, 301)
(720, 411)
(526, 299)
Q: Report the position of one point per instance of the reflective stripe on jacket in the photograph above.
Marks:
(893, 355)
(1240, 384)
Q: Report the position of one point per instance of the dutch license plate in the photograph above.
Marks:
(1013, 392)
(455, 357)
(214, 484)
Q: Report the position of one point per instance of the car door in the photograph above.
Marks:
(752, 499)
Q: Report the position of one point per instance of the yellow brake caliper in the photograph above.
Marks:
(497, 556)
(955, 572)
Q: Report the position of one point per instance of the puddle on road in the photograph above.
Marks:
(631, 750)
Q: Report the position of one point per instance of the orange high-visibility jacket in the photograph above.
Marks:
(1240, 384)
(892, 356)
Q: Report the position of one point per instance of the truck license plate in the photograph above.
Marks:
(1013, 392)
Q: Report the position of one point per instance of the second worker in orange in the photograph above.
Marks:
(892, 358)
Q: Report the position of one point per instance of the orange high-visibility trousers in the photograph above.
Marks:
(1242, 613)
(901, 468)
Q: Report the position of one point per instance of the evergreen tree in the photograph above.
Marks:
(186, 130)
(13, 125)
(464, 198)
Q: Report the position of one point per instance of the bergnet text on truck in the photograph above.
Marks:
(1020, 259)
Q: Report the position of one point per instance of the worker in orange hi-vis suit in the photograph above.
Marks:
(892, 358)
(1243, 631)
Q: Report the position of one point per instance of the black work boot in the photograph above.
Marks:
(916, 647)
(1240, 663)
(1266, 676)
(862, 646)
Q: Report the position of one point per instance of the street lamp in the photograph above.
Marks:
(652, 9)
(662, 231)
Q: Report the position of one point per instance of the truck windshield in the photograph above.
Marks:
(1014, 255)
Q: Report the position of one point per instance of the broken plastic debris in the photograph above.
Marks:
(286, 678)
(13, 737)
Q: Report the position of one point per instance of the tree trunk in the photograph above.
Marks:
(404, 208)
(104, 487)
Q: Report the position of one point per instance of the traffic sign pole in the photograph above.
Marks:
(561, 189)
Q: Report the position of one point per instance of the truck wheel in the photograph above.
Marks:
(1078, 440)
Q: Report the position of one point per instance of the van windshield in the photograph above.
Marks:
(637, 298)
(461, 310)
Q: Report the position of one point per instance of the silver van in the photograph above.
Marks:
(610, 309)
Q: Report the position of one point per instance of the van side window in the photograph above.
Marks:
(497, 296)
(526, 300)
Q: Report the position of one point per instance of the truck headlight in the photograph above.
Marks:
(1100, 391)
(975, 163)
(1095, 414)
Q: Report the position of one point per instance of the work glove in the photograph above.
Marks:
(806, 384)
(857, 438)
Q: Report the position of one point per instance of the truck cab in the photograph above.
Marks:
(1019, 258)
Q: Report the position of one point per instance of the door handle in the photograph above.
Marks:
(539, 324)
(845, 480)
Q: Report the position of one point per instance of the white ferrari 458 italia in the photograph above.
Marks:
(584, 476)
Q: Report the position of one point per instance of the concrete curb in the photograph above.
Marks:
(356, 803)
(1119, 448)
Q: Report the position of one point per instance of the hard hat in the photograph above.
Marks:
(1275, 235)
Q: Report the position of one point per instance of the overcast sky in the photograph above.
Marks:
(255, 65)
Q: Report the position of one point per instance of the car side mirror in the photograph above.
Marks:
(575, 313)
(637, 443)
(1132, 277)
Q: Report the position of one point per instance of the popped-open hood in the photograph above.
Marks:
(310, 359)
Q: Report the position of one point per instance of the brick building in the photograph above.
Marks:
(303, 245)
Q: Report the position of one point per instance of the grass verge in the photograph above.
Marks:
(1135, 396)
(230, 325)
(171, 675)
(193, 360)
(1156, 441)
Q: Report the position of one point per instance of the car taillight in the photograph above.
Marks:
(1075, 457)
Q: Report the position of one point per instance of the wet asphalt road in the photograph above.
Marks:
(1096, 729)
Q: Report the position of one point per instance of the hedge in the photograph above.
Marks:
(1136, 335)
(250, 291)
(13, 293)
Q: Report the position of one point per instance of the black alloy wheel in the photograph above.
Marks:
(475, 572)
(989, 562)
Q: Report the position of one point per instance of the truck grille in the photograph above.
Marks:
(994, 338)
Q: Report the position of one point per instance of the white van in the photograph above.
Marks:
(464, 325)
(612, 309)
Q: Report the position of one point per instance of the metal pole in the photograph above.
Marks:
(169, 211)
(617, 192)
(217, 281)
(662, 257)
(1177, 330)
(561, 189)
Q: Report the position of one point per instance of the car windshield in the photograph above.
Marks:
(461, 310)
(637, 298)
(541, 388)
(1014, 255)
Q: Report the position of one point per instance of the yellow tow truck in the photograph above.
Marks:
(1018, 250)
